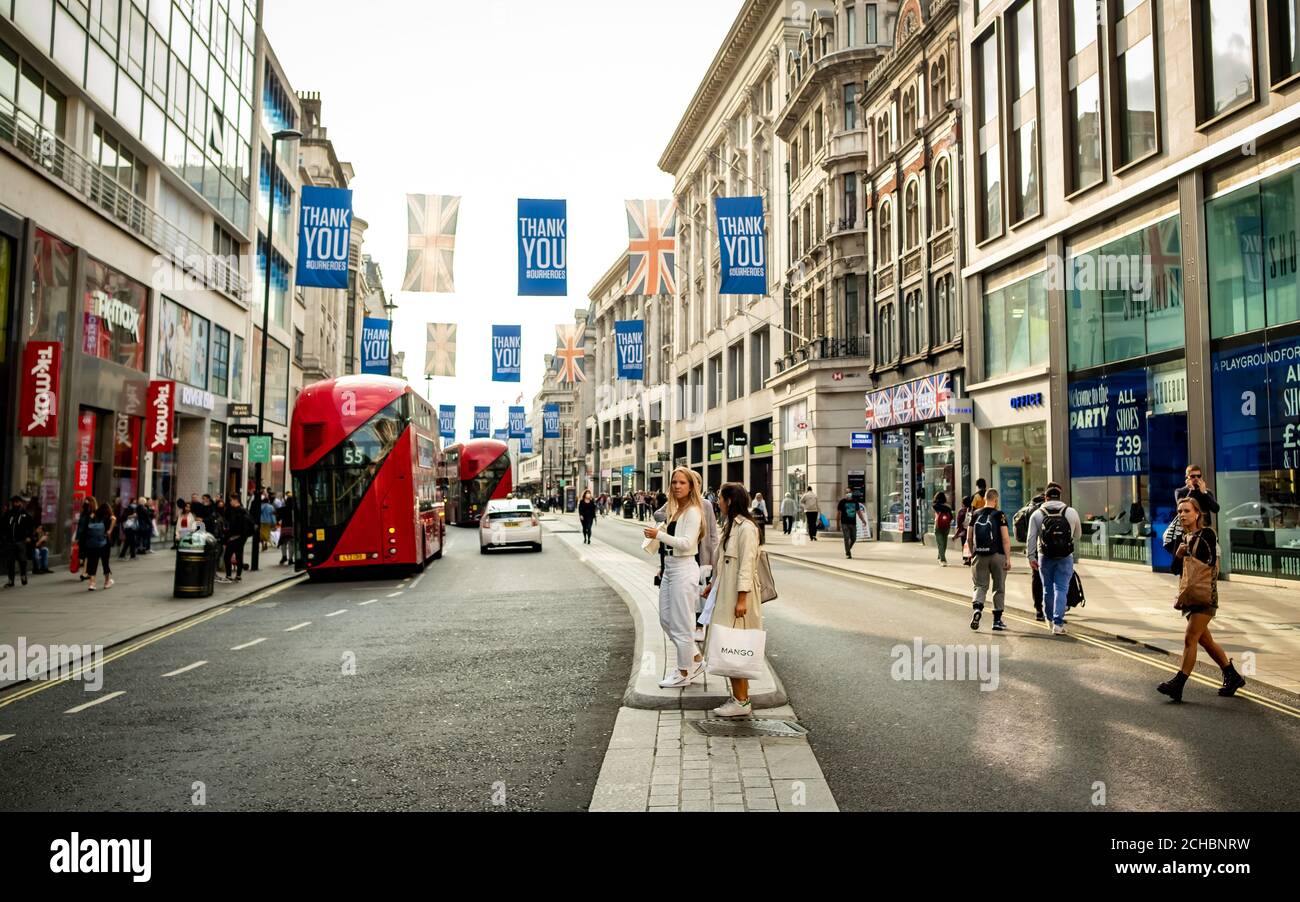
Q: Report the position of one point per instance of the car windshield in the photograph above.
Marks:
(503, 513)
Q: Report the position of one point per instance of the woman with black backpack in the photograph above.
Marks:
(238, 528)
(95, 544)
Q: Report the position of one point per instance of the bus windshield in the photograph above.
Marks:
(333, 488)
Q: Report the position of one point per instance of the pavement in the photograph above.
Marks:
(57, 608)
(1260, 624)
(658, 758)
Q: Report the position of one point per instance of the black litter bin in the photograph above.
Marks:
(196, 566)
(628, 508)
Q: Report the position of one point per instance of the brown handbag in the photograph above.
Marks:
(1196, 584)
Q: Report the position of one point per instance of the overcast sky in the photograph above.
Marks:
(494, 100)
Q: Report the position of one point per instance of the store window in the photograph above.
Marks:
(1126, 297)
(1019, 455)
(216, 456)
(126, 456)
(277, 378)
(1256, 391)
(936, 450)
(48, 308)
(182, 345)
(113, 316)
(1128, 452)
(895, 466)
(221, 361)
(1015, 326)
(1252, 259)
(237, 368)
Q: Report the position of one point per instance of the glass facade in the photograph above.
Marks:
(277, 378)
(1126, 297)
(1227, 57)
(1019, 456)
(114, 315)
(1128, 453)
(1015, 326)
(894, 459)
(182, 345)
(178, 76)
(936, 455)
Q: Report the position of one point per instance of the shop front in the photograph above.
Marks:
(761, 449)
(917, 454)
(794, 448)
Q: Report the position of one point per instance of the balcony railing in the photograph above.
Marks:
(825, 349)
(850, 143)
(31, 141)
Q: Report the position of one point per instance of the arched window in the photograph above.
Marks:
(913, 324)
(938, 85)
(942, 211)
(885, 252)
(882, 138)
(885, 341)
(909, 115)
(911, 216)
(939, 315)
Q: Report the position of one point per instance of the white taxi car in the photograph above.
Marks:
(509, 522)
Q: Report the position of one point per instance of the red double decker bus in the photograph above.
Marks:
(473, 474)
(364, 455)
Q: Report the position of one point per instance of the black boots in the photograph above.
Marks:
(1174, 686)
(1232, 681)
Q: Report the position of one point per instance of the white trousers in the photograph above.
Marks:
(679, 591)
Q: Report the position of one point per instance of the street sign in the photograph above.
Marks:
(259, 449)
(239, 410)
(241, 430)
(960, 410)
(860, 440)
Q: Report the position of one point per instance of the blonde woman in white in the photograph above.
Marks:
(738, 604)
(680, 586)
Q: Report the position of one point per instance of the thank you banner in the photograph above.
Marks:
(447, 421)
(516, 422)
(526, 446)
(375, 338)
(740, 241)
(551, 421)
(506, 342)
(482, 423)
(629, 339)
(324, 237)
(543, 240)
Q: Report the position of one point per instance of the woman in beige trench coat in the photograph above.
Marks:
(737, 603)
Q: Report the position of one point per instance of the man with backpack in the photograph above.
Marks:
(1020, 526)
(1054, 530)
(988, 548)
(850, 514)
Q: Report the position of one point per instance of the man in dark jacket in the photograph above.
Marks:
(16, 529)
(1195, 487)
(238, 528)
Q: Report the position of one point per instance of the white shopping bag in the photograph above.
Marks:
(736, 652)
(800, 534)
(708, 604)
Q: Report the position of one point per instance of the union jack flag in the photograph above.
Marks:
(569, 355)
(440, 350)
(652, 247)
(431, 242)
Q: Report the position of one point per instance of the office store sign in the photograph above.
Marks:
(39, 413)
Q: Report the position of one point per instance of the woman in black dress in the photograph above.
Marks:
(1201, 543)
(587, 515)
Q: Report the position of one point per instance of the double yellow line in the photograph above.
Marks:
(195, 620)
(1280, 707)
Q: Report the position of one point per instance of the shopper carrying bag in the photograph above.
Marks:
(736, 642)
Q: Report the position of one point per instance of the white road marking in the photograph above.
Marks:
(98, 701)
(248, 644)
(416, 582)
(364, 603)
(4, 736)
(299, 626)
(392, 594)
(183, 669)
(336, 613)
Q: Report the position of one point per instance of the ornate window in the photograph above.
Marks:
(942, 204)
(943, 310)
(914, 323)
(886, 249)
(938, 85)
(886, 348)
(882, 138)
(911, 215)
(909, 114)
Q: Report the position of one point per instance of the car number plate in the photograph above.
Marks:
(352, 557)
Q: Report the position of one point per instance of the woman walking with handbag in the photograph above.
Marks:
(586, 515)
(1196, 561)
(681, 578)
(737, 604)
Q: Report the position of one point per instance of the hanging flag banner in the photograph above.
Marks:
(431, 242)
(568, 355)
(375, 337)
(501, 435)
(543, 247)
(482, 423)
(38, 416)
(551, 421)
(324, 237)
(516, 422)
(160, 403)
(505, 353)
(447, 421)
(742, 245)
(651, 247)
(526, 446)
(440, 349)
(629, 339)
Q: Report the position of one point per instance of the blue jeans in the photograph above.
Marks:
(1057, 573)
(41, 558)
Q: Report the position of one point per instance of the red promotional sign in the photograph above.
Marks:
(84, 475)
(38, 415)
(160, 404)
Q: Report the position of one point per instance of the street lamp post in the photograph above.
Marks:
(288, 134)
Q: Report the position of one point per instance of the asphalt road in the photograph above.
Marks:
(489, 684)
(1068, 724)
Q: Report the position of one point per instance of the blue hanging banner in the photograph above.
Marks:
(551, 421)
(543, 242)
(505, 353)
(501, 435)
(742, 245)
(482, 423)
(629, 339)
(517, 415)
(324, 237)
(526, 446)
(447, 421)
(375, 337)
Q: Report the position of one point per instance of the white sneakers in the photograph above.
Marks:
(734, 708)
(676, 681)
(1058, 629)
